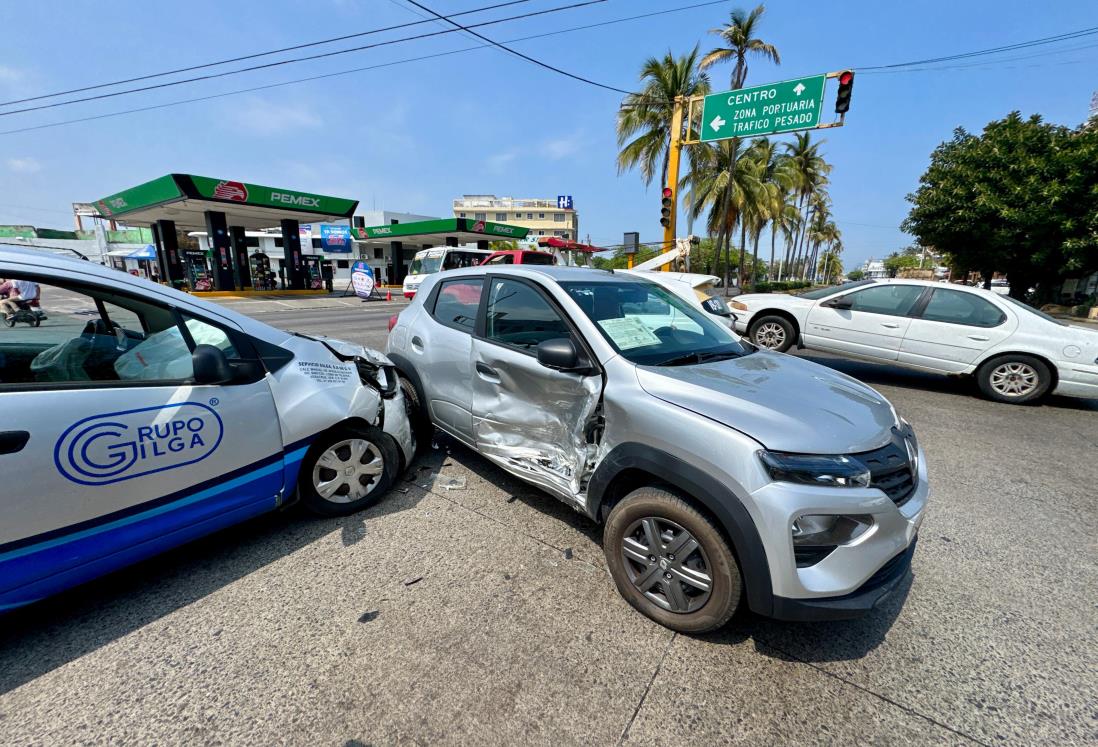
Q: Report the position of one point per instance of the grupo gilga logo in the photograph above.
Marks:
(117, 446)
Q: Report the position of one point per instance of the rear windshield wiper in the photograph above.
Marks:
(696, 357)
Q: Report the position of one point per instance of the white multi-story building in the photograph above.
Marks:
(544, 217)
(874, 269)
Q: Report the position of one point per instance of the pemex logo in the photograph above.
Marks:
(234, 191)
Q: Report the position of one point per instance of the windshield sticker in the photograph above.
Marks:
(628, 333)
(117, 446)
(326, 373)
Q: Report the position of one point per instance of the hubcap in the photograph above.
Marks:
(1014, 379)
(348, 470)
(770, 335)
(667, 565)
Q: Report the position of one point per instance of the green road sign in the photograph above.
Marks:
(763, 110)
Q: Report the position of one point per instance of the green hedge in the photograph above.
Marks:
(780, 286)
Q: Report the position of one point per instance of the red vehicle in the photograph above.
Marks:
(519, 257)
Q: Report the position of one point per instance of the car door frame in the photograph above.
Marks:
(860, 351)
(1008, 324)
(595, 368)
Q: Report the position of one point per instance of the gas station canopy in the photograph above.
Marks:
(441, 232)
(184, 199)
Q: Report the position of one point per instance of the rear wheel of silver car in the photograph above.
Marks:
(422, 430)
(1016, 379)
(773, 333)
(347, 469)
(670, 562)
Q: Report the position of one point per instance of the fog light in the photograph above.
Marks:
(829, 529)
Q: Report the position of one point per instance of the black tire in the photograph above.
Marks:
(713, 558)
(773, 332)
(9, 322)
(422, 429)
(340, 503)
(1014, 378)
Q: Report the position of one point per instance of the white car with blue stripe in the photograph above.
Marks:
(134, 418)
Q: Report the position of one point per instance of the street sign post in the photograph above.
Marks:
(763, 110)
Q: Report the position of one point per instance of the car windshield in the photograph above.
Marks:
(425, 265)
(1032, 310)
(818, 293)
(649, 325)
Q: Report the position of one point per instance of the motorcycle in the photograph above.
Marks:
(29, 312)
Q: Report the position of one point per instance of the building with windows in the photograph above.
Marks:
(544, 217)
(874, 269)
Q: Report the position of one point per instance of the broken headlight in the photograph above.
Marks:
(381, 378)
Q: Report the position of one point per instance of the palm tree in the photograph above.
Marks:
(739, 35)
(831, 266)
(715, 186)
(644, 119)
(810, 170)
(777, 179)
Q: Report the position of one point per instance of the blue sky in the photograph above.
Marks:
(413, 136)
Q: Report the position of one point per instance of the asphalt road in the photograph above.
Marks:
(486, 615)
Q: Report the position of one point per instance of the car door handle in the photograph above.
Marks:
(487, 373)
(890, 325)
(979, 338)
(13, 441)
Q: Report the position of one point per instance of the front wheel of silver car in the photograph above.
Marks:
(670, 563)
(773, 333)
(347, 469)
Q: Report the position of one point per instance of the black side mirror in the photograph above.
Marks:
(839, 303)
(559, 354)
(210, 365)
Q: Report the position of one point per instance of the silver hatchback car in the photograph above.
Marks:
(724, 474)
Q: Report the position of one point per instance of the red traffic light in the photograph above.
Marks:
(666, 192)
(846, 77)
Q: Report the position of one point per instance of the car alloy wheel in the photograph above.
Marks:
(348, 470)
(667, 564)
(1014, 379)
(770, 335)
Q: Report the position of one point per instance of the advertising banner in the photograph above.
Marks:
(335, 239)
(362, 279)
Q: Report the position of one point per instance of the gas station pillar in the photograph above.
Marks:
(396, 251)
(239, 242)
(291, 250)
(222, 259)
(482, 245)
(451, 241)
(168, 259)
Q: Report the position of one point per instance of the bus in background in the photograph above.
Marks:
(429, 261)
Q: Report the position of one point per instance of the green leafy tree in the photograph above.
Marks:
(830, 268)
(810, 172)
(898, 261)
(855, 275)
(739, 36)
(644, 119)
(1020, 198)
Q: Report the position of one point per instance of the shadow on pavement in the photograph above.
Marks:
(882, 373)
(44, 636)
(814, 642)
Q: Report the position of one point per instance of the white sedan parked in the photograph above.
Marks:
(1016, 353)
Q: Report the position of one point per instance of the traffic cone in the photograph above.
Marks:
(388, 295)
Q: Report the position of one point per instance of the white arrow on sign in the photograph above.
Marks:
(717, 123)
(798, 89)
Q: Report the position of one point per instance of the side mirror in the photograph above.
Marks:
(840, 303)
(210, 365)
(559, 354)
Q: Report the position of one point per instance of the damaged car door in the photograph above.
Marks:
(531, 419)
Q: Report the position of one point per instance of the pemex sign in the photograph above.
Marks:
(763, 110)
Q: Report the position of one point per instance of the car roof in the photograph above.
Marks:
(556, 273)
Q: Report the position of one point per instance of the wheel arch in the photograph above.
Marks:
(631, 465)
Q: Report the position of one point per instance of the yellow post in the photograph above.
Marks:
(673, 173)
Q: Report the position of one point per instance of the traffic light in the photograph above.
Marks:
(846, 87)
(665, 208)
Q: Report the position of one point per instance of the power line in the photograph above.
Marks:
(992, 50)
(253, 56)
(997, 63)
(268, 86)
(516, 53)
(212, 76)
